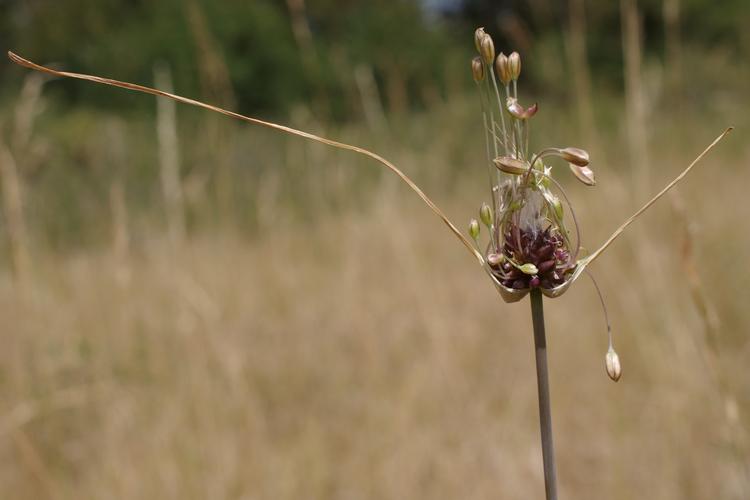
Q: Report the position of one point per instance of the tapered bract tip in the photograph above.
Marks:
(15, 58)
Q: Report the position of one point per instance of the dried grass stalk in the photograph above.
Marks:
(13, 212)
(634, 98)
(169, 157)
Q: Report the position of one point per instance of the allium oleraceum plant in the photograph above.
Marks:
(533, 247)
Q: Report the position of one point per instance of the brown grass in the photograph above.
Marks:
(359, 354)
(364, 356)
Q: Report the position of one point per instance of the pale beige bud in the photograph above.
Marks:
(583, 174)
(510, 165)
(485, 214)
(612, 363)
(487, 49)
(502, 68)
(514, 65)
(474, 229)
(575, 156)
(477, 69)
(478, 35)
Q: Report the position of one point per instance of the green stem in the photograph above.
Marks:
(542, 378)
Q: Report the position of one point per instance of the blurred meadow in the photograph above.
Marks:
(192, 307)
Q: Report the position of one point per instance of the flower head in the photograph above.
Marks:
(539, 246)
(534, 240)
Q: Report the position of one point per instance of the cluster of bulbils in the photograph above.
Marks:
(529, 245)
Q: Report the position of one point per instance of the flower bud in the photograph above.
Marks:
(478, 35)
(510, 165)
(487, 49)
(518, 111)
(485, 214)
(502, 68)
(477, 69)
(495, 259)
(575, 156)
(528, 268)
(474, 229)
(514, 65)
(583, 174)
(612, 363)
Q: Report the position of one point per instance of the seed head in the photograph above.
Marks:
(612, 363)
(477, 69)
(514, 65)
(485, 214)
(502, 68)
(474, 229)
(487, 49)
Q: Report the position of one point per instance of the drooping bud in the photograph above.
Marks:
(612, 363)
(477, 69)
(485, 214)
(514, 107)
(487, 49)
(502, 68)
(528, 268)
(510, 165)
(495, 259)
(518, 111)
(474, 229)
(575, 156)
(514, 65)
(478, 35)
(583, 174)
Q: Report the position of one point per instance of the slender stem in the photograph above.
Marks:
(487, 147)
(488, 98)
(500, 106)
(545, 414)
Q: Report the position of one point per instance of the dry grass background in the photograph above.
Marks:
(359, 353)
